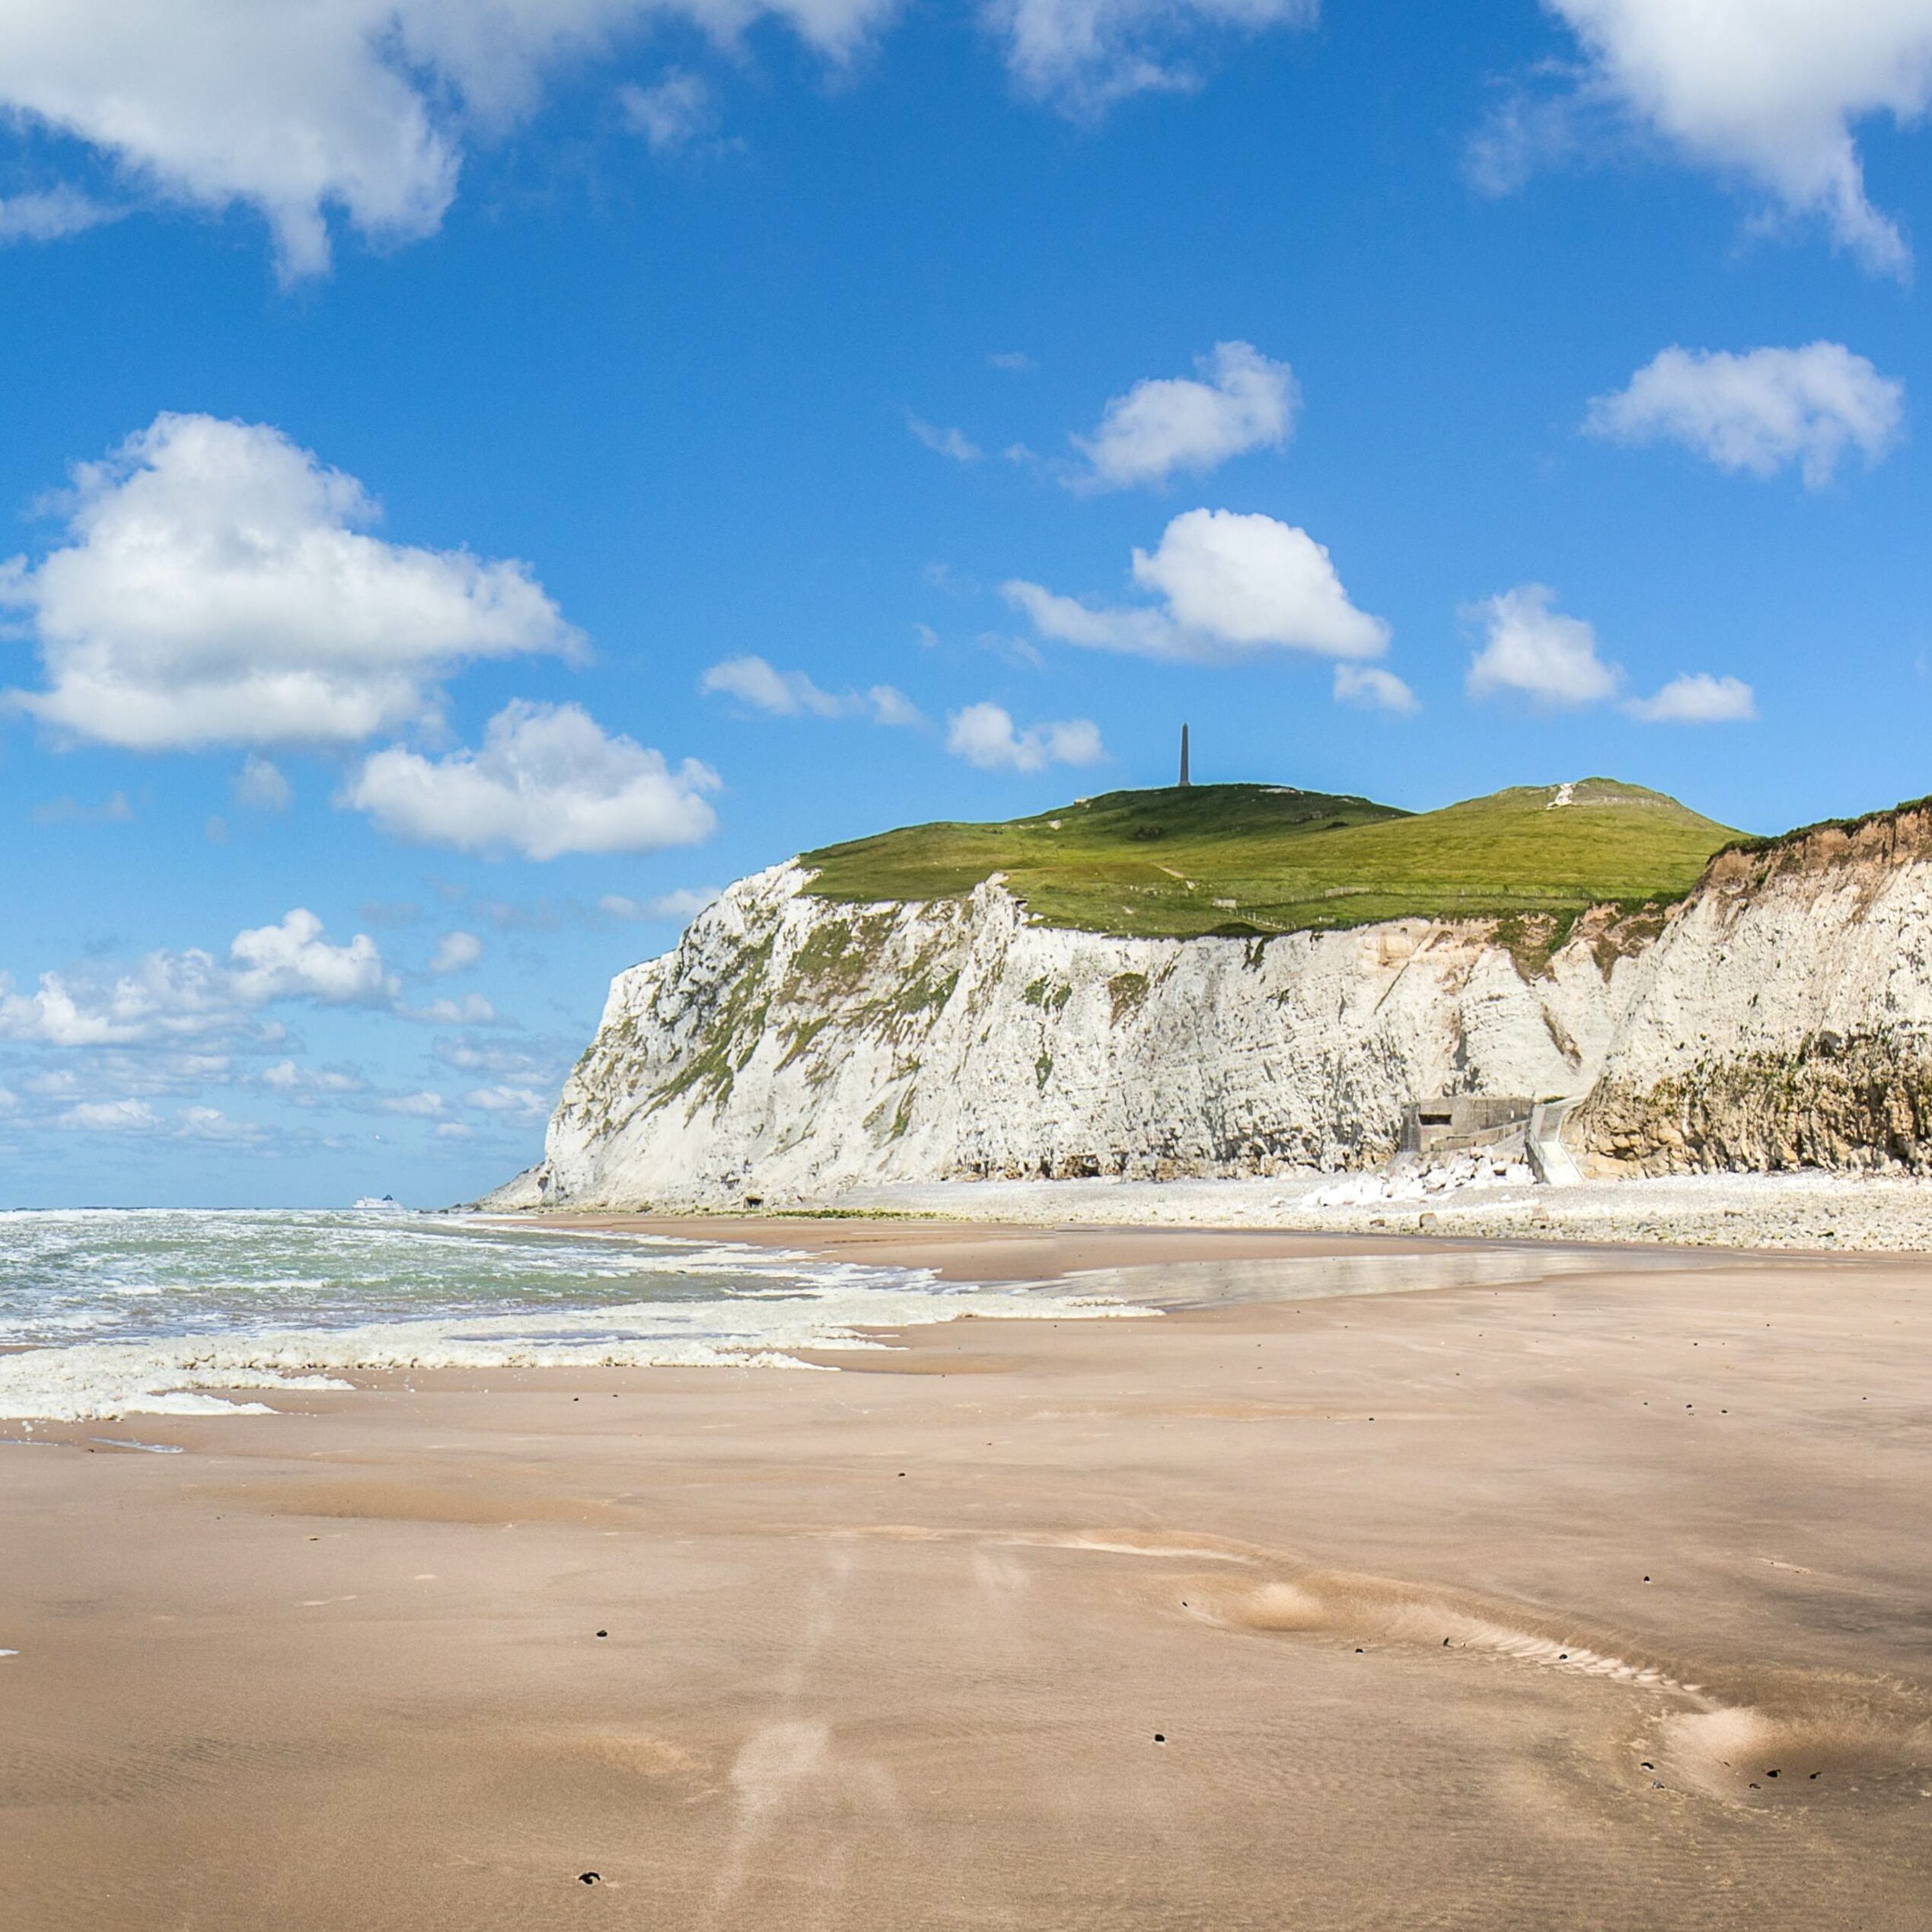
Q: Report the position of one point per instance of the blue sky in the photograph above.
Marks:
(499, 472)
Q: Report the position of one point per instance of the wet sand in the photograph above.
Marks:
(1496, 1605)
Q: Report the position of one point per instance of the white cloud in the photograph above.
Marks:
(456, 950)
(1374, 689)
(673, 115)
(1533, 649)
(1770, 90)
(684, 903)
(173, 995)
(299, 108)
(1233, 584)
(1530, 648)
(210, 1124)
(47, 215)
(286, 1077)
(424, 1106)
(792, 694)
(983, 734)
(526, 1103)
(454, 1131)
(1244, 402)
(216, 591)
(472, 1009)
(546, 781)
(293, 961)
(1015, 362)
(110, 1117)
(1083, 54)
(260, 787)
(1698, 698)
(954, 443)
(1760, 410)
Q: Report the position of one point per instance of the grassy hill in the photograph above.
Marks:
(1244, 859)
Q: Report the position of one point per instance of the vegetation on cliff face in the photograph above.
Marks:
(1248, 860)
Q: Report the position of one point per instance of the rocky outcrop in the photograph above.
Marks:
(1783, 1018)
(791, 1047)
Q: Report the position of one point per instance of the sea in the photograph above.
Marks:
(106, 1313)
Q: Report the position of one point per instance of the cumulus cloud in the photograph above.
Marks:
(454, 952)
(954, 443)
(1373, 689)
(300, 108)
(1698, 698)
(792, 694)
(1771, 93)
(546, 781)
(424, 1106)
(1531, 649)
(985, 735)
(292, 960)
(1761, 410)
(169, 995)
(1081, 56)
(683, 903)
(1232, 585)
(1242, 401)
(218, 590)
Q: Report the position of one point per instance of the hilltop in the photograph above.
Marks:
(1245, 860)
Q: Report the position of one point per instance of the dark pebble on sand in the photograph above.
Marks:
(1160, 1737)
(604, 1633)
(588, 1878)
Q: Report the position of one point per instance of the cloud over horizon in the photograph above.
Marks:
(547, 781)
(1532, 650)
(984, 735)
(1242, 401)
(1231, 585)
(752, 681)
(1759, 411)
(217, 590)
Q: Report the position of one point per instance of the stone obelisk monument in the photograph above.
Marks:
(1184, 778)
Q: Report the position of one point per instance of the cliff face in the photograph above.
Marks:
(1784, 1017)
(791, 1045)
(1780, 1016)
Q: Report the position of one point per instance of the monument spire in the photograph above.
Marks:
(1184, 778)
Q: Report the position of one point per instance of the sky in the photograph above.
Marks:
(482, 475)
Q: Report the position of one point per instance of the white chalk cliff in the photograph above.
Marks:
(791, 1047)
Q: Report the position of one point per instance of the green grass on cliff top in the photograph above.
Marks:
(1242, 859)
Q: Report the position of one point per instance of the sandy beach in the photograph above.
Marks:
(1373, 1583)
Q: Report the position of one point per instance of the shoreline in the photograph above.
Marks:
(1801, 1211)
(1490, 1584)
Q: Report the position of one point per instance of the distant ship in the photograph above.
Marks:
(379, 1204)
